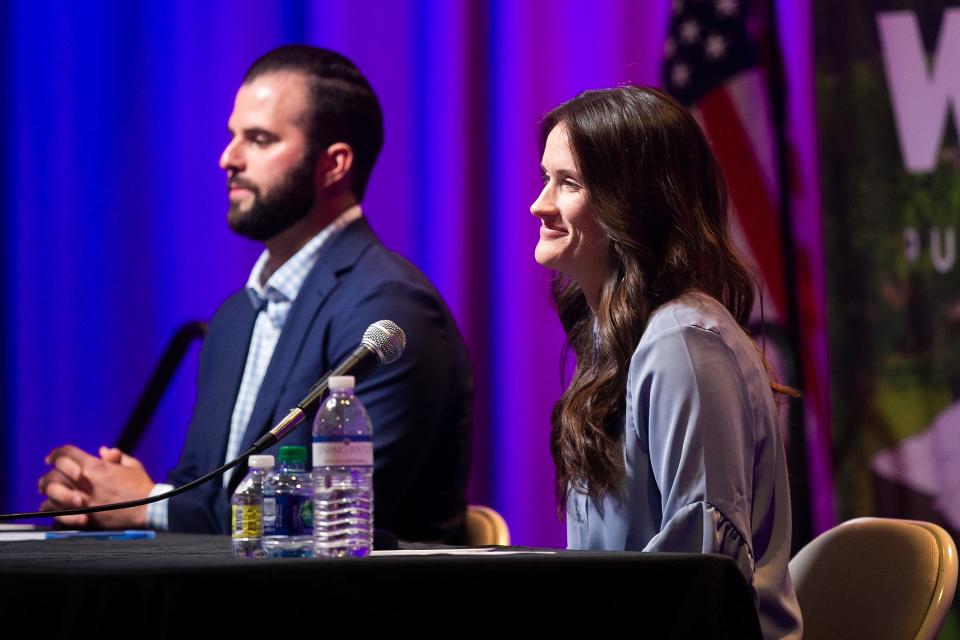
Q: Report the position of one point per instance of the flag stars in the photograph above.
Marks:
(689, 31)
(669, 48)
(707, 44)
(715, 47)
(727, 8)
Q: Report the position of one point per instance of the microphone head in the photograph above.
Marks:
(385, 339)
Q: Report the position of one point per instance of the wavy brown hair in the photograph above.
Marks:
(657, 192)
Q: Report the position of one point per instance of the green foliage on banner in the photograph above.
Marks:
(894, 318)
(893, 291)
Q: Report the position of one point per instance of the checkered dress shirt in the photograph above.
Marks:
(273, 300)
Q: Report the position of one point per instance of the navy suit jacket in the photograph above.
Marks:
(420, 405)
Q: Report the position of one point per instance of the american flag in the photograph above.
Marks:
(719, 57)
(711, 66)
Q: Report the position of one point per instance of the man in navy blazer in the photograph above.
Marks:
(305, 131)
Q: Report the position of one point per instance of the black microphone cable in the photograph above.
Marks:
(383, 342)
(135, 503)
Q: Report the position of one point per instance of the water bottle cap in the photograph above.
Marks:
(341, 383)
(293, 453)
(260, 462)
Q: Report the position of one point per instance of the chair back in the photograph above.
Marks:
(485, 527)
(876, 578)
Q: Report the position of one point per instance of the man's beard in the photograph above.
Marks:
(268, 217)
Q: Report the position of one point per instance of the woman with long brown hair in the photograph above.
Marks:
(666, 438)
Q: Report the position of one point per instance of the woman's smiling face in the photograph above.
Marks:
(570, 240)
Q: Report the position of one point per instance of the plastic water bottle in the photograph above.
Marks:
(246, 509)
(288, 506)
(342, 474)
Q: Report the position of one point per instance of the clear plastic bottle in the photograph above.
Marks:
(288, 506)
(246, 509)
(342, 474)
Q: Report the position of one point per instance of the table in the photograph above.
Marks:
(182, 585)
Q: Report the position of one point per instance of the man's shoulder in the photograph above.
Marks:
(381, 264)
(377, 268)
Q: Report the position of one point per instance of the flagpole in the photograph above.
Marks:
(797, 461)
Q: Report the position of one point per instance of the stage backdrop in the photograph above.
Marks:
(114, 227)
(888, 87)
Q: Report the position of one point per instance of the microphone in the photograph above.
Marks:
(383, 342)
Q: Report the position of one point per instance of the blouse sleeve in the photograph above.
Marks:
(691, 409)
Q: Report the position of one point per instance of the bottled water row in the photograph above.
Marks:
(284, 511)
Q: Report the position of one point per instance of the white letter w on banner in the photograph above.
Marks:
(921, 97)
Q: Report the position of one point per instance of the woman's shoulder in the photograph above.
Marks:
(692, 310)
(694, 338)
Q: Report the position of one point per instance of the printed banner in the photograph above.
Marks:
(888, 91)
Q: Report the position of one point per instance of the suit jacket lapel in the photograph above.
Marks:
(337, 255)
(231, 357)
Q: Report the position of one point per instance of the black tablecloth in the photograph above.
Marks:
(187, 585)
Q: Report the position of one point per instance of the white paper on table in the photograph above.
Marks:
(484, 551)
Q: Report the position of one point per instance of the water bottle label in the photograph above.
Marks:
(247, 520)
(342, 451)
(269, 516)
(293, 516)
(306, 516)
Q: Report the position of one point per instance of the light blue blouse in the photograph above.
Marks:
(705, 465)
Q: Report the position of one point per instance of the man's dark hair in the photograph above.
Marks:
(344, 106)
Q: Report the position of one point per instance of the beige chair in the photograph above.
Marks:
(876, 578)
(485, 527)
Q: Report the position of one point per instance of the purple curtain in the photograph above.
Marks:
(114, 229)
